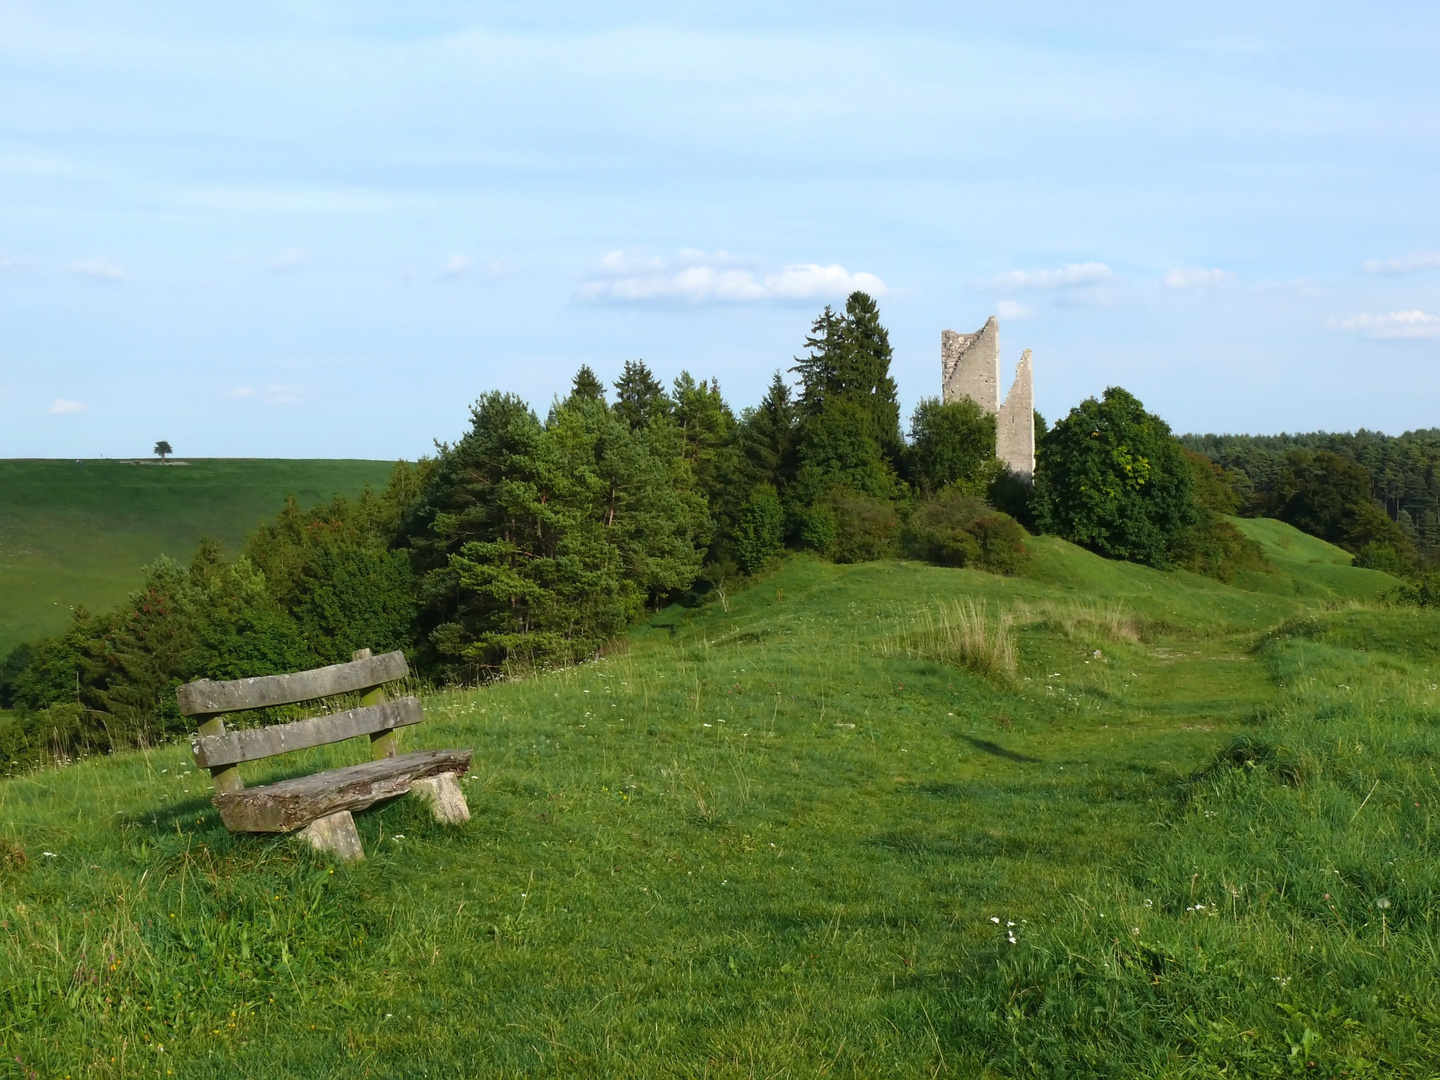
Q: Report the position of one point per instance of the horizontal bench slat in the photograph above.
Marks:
(292, 804)
(234, 747)
(207, 698)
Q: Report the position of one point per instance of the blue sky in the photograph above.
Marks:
(316, 229)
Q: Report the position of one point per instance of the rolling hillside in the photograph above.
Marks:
(821, 830)
(78, 532)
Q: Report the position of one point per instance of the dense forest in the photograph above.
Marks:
(534, 541)
(1375, 495)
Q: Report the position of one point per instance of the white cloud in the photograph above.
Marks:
(1069, 276)
(289, 259)
(1009, 309)
(281, 395)
(1195, 279)
(696, 277)
(1406, 264)
(1397, 324)
(15, 262)
(59, 407)
(456, 265)
(277, 394)
(98, 268)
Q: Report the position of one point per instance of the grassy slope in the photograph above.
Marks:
(1304, 566)
(79, 533)
(773, 839)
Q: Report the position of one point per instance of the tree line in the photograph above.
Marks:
(1375, 495)
(533, 541)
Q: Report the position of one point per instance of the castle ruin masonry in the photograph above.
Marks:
(970, 368)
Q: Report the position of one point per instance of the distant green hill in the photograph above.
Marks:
(79, 532)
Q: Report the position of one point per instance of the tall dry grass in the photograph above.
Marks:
(1080, 618)
(963, 633)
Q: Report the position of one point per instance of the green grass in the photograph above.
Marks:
(1304, 566)
(80, 533)
(776, 841)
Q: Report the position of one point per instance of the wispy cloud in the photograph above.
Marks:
(269, 395)
(97, 268)
(16, 262)
(289, 259)
(1397, 324)
(1230, 46)
(1406, 264)
(695, 277)
(1195, 279)
(457, 265)
(1011, 309)
(59, 407)
(1069, 276)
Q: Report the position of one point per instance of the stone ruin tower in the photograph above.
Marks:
(970, 368)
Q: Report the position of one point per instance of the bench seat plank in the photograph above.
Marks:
(292, 804)
(207, 698)
(234, 747)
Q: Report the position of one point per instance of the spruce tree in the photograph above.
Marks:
(767, 436)
(709, 443)
(639, 398)
(865, 370)
(820, 368)
(586, 386)
(848, 359)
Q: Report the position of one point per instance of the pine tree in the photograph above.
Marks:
(639, 398)
(709, 442)
(586, 386)
(767, 436)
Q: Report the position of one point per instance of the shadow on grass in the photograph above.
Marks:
(167, 816)
(971, 846)
(998, 750)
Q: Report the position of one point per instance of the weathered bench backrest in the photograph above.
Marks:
(223, 751)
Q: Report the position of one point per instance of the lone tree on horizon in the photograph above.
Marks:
(162, 448)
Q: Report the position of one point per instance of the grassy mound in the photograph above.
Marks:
(76, 533)
(831, 830)
(1305, 566)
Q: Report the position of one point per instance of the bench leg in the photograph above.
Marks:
(447, 801)
(335, 835)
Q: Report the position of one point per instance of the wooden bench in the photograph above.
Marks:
(320, 805)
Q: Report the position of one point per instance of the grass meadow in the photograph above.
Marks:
(78, 533)
(883, 820)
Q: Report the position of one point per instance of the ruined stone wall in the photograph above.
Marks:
(1015, 422)
(970, 366)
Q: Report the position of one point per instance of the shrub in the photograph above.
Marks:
(1395, 559)
(955, 529)
(1424, 591)
(1010, 494)
(760, 532)
(1217, 549)
(816, 529)
(865, 528)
